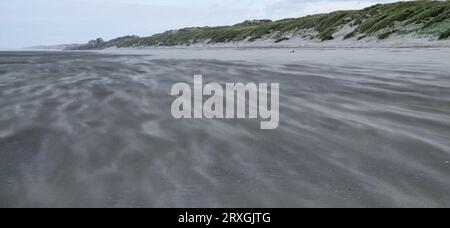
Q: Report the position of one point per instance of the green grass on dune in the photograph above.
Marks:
(445, 35)
(379, 20)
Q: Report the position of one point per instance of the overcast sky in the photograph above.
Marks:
(32, 22)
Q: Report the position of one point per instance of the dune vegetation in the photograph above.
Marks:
(428, 18)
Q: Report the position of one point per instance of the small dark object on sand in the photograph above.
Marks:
(292, 51)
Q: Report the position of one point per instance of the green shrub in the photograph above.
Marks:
(386, 34)
(443, 16)
(350, 35)
(254, 38)
(362, 37)
(445, 35)
(326, 36)
(281, 40)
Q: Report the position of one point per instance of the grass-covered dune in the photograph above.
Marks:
(427, 18)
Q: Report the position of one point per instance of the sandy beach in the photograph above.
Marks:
(358, 128)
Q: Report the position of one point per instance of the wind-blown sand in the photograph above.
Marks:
(358, 128)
